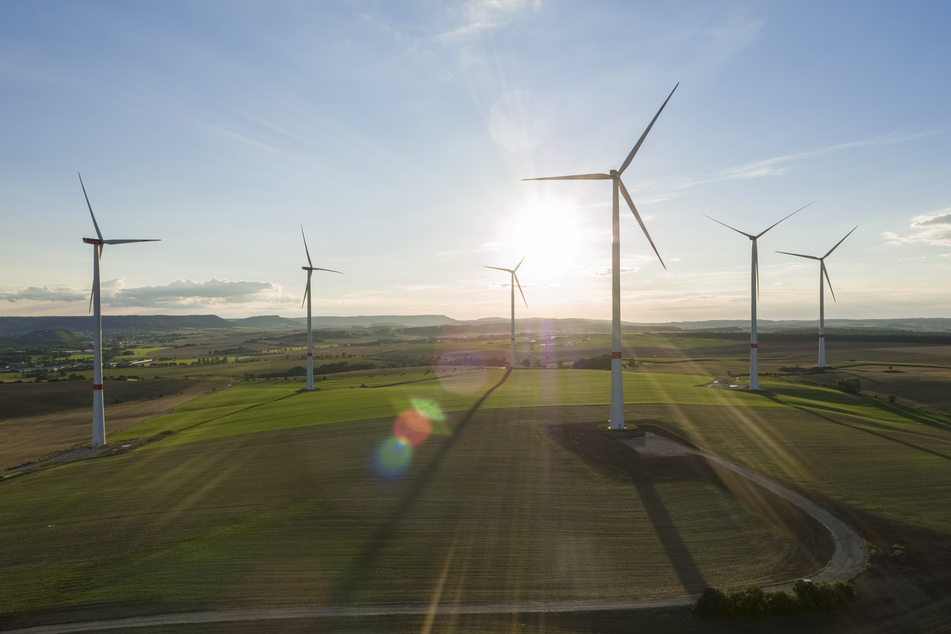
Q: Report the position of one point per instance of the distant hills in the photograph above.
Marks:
(113, 323)
(19, 331)
(360, 321)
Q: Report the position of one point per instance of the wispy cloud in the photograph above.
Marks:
(603, 271)
(934, 229)
(482, 15)
(780, 165)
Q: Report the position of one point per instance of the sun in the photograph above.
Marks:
(554, 235)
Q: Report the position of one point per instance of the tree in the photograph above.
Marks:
(526, 363)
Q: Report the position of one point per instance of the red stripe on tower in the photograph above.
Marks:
(310, 354)
(97, 386)
(752, 345)
(822, 336)
(615, 355)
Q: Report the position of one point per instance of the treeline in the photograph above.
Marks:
(839, 335)
(327, 368)
(470, 360)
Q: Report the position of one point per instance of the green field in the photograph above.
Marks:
(263, 494)
(254, 503)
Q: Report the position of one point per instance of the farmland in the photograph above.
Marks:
(261, 494)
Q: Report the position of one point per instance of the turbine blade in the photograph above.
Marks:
(128, 241)
(839, 242)
(314, 268)
(825, 272)
(729, 227)
(94, 223)
(799, 255)
(309, 263)
(306, 290)
(778, 221)
(630, 156)
(637, 216)
(520, 263)
(576, 177)
(498, 268)
(515, 277)
(91, 293)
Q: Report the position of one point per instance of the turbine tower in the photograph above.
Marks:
(513, 285)
(98, 413)
(754, 293)
(822, 272)
(617, 387)
(310, 268)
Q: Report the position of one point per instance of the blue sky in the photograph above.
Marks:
(397, 134)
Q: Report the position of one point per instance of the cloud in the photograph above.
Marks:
(934, 229)
(779, 165)
(606, 270)
(44, 294)
(214, 292)
(181, 293)
(482, 15)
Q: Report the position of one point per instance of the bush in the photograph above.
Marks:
(750, 602)
(602, 362)
(849, 386)
(808, 598)
(713, 603)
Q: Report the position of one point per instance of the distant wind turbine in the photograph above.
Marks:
(754, 293)
(98, 413)
(825, 273)
(310, 268)
(617, 387)
(513, 285)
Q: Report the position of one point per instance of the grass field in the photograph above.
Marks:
(497, 508)
(269, 495)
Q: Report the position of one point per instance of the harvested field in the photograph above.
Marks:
(31, 438)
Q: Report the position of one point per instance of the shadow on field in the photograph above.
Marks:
(618, 462)
(351, 581)
(238, 411)
(858, 428)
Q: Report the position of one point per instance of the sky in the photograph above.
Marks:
(397, 135)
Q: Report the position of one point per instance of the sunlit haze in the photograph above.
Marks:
(398, 135)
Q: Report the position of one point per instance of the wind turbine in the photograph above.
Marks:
(98, 413)
(617, 388)
(754, 293)
(310, 268)
(822, 272)
(513, 285)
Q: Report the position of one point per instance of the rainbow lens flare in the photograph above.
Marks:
(392, 458)
(412, 427)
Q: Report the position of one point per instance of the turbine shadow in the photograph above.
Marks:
(857, 428)
(621, 463)
(352, 581)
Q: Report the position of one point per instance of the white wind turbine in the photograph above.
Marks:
(310, 268)
(822, 272)
(513, 285)
(754, 292)
(617, 388)
(98, 413)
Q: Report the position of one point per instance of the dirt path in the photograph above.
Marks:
(849, 556)
(847, 561)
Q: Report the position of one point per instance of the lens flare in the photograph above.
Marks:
(392, 458)
(428, 408)
(412, 427)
